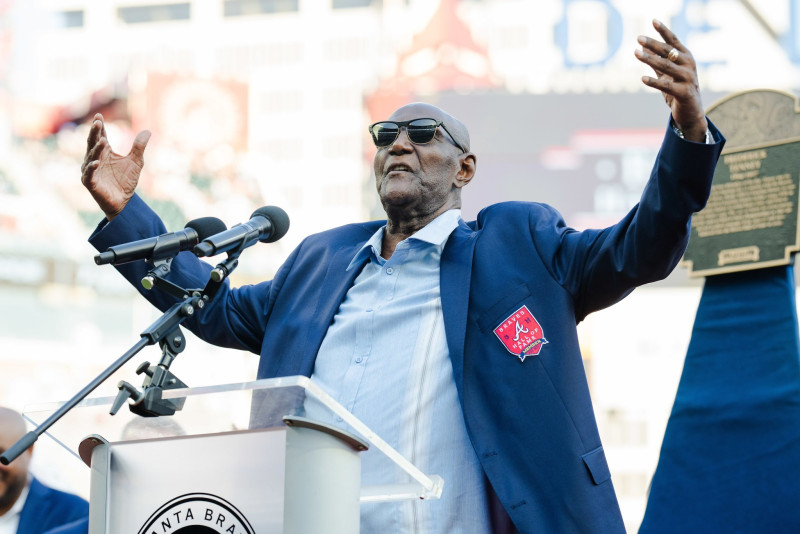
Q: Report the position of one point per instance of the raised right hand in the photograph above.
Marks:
(109, 177)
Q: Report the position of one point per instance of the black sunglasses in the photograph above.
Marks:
(419, 132)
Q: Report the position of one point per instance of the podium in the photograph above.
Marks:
(269, 456)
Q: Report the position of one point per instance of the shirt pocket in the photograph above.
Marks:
(508, 303)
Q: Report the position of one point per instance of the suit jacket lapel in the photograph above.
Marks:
(334, 287)
(454, 283)
(37, 495)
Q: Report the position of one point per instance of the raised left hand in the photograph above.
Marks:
(676, 78)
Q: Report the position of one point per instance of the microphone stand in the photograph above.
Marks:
(164, 331)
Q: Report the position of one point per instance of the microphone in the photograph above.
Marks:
(163, 246)
(267, 224)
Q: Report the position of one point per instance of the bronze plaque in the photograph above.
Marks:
(751, 219)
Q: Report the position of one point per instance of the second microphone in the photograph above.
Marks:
(267, 224)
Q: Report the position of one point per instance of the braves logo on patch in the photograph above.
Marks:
(521, 334)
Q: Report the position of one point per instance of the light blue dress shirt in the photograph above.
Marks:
(385, 359)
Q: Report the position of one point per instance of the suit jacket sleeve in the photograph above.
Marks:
(235, 318)
(599, 267)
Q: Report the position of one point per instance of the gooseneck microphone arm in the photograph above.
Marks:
(154, 334)
(153, 249)
(159, 252)
(267, 225)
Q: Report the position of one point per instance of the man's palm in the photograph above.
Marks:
(109, 177)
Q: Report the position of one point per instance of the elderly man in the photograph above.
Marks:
(26, 505)
(455, 341)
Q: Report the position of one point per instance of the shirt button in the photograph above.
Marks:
(389, 270)
(359, 359)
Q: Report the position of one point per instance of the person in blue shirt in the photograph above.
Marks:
(26, 505)
(455, 341)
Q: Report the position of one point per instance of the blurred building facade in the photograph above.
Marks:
(259, 102)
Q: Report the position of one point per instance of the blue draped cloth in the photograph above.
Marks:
(730, 459)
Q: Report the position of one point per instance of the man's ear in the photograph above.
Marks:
(468, 163)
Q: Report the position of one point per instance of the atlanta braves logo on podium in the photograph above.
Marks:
(197, 513)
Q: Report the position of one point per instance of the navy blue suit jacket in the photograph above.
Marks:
(47, 508)
(81, 526)
(531, 422)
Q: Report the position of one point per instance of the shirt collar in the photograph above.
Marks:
(435, 232)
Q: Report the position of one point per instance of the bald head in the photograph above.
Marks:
(419, 177)
(14, 476)
(454, 126)
(12, 425)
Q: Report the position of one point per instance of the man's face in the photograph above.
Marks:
(417, 179)
(13, 476)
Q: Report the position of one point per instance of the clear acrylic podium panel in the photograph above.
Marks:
(234, 407)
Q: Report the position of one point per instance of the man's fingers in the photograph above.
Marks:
(662, 49)
(97, 150)
(659, 52)
(677, 89)
(95, 132)
(676, 79)
(681, 70)
(98, 117)
(94, 152)
(139, 144)
(671, 39)
(652, 46)
(96, 142)
(660, 65)
(664, 84)
(88, 173)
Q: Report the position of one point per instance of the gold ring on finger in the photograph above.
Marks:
(673, 55)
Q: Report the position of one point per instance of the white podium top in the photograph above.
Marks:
(234, 407)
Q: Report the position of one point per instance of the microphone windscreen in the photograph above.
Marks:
(206, 227)
(279, 220)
